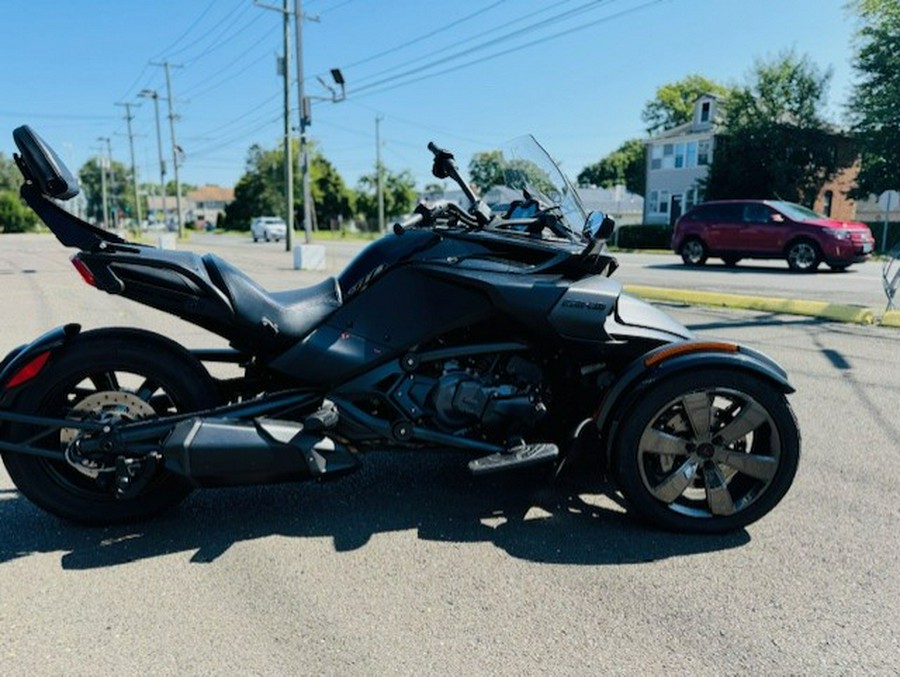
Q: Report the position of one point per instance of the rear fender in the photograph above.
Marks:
(22, 364)
(663, 362)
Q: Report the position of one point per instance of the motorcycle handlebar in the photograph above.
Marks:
(412, 221)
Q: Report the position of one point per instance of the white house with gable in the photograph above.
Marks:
(677, 159)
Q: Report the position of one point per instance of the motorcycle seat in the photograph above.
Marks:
(274, 317)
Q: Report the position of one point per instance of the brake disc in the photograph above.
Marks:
(112, 406)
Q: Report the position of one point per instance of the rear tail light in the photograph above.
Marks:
(31, 369)
(84, 271)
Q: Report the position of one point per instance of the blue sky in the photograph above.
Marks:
(467, 74)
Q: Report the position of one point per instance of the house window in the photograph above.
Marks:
(829, 199)
(652, 200)
(704, 111)
(704, 152)
(668, 160)
(656, 154)
(663, 202)
(679, 156)
(690, 159)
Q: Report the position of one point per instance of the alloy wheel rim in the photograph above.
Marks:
(709, 453)
(694, 251)
(802, 255)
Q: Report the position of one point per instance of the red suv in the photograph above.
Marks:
(769, 229)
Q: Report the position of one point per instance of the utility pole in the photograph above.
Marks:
(379, 173)
(115, 212)
(304, 108)
(288, 150)
(304, 121)
(137, 202)
(170, 99)
(104, 162)
(153, 94)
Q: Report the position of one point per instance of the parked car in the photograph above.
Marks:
(268, 228)
(769, 229)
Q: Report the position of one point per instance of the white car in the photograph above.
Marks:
(268, 228)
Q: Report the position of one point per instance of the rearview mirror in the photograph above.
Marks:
(598, 226)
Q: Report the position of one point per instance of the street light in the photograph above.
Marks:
(153, 94)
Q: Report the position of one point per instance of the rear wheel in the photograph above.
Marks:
(707, 452)
(693, 252)
(107, 376)
(803, 256)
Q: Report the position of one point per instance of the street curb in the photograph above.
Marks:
(820, 309)
(891, 318)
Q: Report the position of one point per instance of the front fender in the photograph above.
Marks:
(659, 364)
(22, 356)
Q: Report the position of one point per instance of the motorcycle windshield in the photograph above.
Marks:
(524, 165)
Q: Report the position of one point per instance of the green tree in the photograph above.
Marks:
(10, 177)
(487, 170)
(120, 195)
(260, 191)
(15, 217)
(875, 101)
(332, 198)
(778, 143)
(627, 165)
(399, 194)
(674, 102)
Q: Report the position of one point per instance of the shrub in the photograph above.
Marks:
(15, 217)
(644, 236)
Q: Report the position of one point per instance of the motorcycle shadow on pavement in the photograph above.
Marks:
(523, 513)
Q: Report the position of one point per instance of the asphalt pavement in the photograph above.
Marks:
(412, 567)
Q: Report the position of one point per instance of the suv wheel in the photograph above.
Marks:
(693, 252)
(803, 256)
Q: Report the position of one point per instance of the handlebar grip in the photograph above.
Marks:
(400, 228)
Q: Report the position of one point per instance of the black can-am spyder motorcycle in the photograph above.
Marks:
(500, 335)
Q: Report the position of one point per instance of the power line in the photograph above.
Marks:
(593, 4)
(243, 135)
(188, 30)
(410, 43)
(508, 51)
(457, 42)
(207, 87)
(221, 42)
(212, 29)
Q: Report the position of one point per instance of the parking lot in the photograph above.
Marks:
(413, 567)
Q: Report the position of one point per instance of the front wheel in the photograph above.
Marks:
(707, 452)
(693, 252)
(803, 256)
(105, 375)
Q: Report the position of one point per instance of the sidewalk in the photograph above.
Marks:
(821, 309)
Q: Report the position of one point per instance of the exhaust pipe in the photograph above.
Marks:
(219, 452)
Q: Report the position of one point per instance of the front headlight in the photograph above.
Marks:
(839, 233)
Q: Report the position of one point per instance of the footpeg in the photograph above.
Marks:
(324, 419)
(519, 457)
